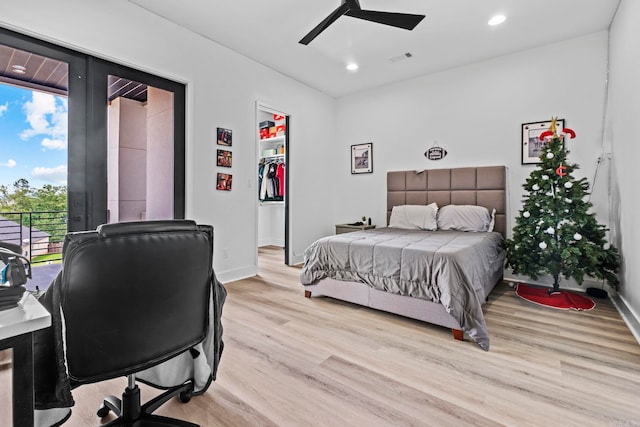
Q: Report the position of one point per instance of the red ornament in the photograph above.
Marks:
(545, 134)
(569, 132)
(560, 171)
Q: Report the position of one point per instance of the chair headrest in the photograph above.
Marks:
(111, 230)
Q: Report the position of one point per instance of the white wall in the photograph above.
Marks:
(475, 112)
(222, 90)
(623, 133)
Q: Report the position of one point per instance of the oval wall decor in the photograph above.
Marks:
(435, 153)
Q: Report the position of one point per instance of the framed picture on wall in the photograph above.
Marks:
(224, 158)
(224, 182)
(224, 137)
(361, 158)
(531, 143)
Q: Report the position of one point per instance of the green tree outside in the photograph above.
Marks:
(50, 200)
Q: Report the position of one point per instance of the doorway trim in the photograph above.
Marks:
(263, 107)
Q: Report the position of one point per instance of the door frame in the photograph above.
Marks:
(76, 122)
(262, 107)
(87, 128)
(97, 118)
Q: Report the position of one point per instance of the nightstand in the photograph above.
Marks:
(346, 228)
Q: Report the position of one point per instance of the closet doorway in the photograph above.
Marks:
(273, 166)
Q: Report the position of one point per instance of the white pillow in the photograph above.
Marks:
(414, 217)
(464, 218)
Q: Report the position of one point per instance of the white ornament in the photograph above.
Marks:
(550, 230)
(545, 177)
(526, 214)
(535, 187)
(542, 245)
(568, 185)
(568, 200)
(549, 155)
(606, 246)
(577, 236)
(550, 193)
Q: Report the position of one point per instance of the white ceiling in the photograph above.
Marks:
(454, 33)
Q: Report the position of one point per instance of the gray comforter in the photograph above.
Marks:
(448, 267)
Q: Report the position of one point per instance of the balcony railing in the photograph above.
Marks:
(40, 234)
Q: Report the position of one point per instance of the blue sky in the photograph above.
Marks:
(33, 137)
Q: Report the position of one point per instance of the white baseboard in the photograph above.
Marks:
(296, 259)
(237, 274)
(629, 316)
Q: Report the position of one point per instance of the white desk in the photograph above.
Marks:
(17, 326)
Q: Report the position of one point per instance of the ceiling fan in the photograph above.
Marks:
(352, 8)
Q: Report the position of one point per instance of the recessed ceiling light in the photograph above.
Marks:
(18, 69)
(352, 66)
(496, 20)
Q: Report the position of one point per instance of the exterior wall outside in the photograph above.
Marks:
(113, 193)
(39, 247)
(127, 160)
(132, 161)
(159, 154)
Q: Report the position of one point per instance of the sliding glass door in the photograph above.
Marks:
(136, 179)
(138, 138)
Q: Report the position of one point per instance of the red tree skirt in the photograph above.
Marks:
(563, 300)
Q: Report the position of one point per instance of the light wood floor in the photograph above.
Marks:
(292, 361)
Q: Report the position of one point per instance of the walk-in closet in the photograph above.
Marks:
(272, 143)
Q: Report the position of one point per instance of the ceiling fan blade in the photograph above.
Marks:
(407, 21)
(341, 10)
(353, 4)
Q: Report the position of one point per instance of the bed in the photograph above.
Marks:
(440, 276)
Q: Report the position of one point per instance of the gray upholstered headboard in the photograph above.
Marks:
(483, 186)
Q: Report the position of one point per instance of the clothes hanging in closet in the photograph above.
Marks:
(271, 181)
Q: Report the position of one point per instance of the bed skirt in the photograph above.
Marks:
(414, 308)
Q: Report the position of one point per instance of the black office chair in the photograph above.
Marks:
(134, 295)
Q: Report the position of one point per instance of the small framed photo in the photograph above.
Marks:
(224, 182)
(224, 137)
(531, 143)
(361, 158)
(224, 158)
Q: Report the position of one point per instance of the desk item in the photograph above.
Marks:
(10, 296)
(17, 326)
(14, 272)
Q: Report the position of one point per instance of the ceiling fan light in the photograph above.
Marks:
(352, 66)
(497, 20)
